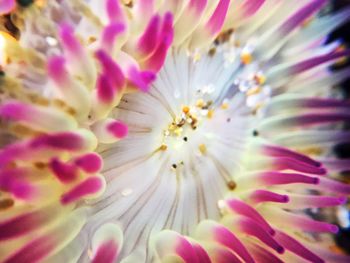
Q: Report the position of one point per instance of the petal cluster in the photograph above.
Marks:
(170, 131)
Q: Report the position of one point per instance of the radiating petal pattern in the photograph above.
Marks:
(170, 131)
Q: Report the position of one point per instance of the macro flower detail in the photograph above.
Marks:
(170, 131)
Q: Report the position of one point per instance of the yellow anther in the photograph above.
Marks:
(202, 148)
(253, 91)
(210, 114)
(224, 106)
(163, 147)
(200, 103)
(185, 109)
(178, 131)
(172, 127)
(259, 79)
(196, 56)
(231, 185)
(246, 58)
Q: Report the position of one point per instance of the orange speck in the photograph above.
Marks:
(185, 109)
(246, 58)
(259, 79)
(163, 147)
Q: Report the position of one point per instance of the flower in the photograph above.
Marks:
(172, 131)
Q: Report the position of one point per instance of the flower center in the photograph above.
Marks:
(186, 139)
(187, 131)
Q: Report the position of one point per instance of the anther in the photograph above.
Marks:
(246, 58)
(202, 148)
(163, 147)
(231, 185)
(185, 109)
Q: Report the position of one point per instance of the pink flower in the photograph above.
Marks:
(170, 131)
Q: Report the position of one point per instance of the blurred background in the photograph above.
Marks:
(343, 150)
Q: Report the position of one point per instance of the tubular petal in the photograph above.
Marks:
(48, 243)
(169, 242)
(242, 208)
(92, 186)
(259, 196)
(107, 243)
(38, 117)
(292, 245)
(90, 162)
(222, 236)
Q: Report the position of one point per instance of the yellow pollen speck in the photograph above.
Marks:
(210, 114)
(163, 147)
(224, 106)
(202, 148)
(92, 39)
(178, 131)
(253, 91)
(59, 103)
(246, 58)
(71, 111)
(259, 79)
(38, 100)
(200, 103)
(185, 109)
(196, 57)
